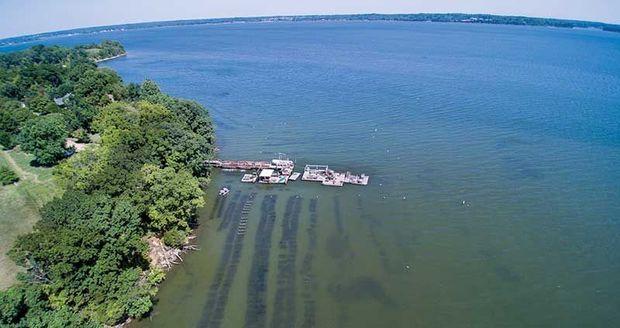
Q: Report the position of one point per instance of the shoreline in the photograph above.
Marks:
(97, 61)
(466, 18)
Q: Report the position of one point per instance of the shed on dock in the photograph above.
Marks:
(272, 176)
(264, 175)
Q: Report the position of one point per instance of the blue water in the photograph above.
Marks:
(494, 157)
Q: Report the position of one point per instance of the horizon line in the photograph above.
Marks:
(206, 20)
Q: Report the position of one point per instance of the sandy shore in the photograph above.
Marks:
(110, 58)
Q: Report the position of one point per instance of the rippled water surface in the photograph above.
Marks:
(493, 153)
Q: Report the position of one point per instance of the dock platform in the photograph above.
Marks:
(328, 177)
(280, 171)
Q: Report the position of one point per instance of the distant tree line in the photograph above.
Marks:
(106, 49)
(87, 260)
(422, 17)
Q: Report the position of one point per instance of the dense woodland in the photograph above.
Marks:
(104, 50)
(87, 260)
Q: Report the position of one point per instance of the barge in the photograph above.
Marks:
(280, 171)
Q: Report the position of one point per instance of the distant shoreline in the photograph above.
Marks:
(422, 17)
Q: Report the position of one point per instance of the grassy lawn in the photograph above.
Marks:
(19, 205)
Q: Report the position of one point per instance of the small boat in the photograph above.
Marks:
(224, 191)
(294, 176)
(249, 178)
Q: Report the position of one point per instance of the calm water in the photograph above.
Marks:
(493, 153)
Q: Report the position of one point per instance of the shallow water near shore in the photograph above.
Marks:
(493, 152)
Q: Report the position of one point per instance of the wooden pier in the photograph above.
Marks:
(239, 165)
(280, 171)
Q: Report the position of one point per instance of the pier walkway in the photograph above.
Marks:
(280, 171)
(239, 165)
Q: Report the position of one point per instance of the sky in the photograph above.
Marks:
(22, 17)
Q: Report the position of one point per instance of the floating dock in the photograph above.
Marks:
(328, 177)
(280, 171)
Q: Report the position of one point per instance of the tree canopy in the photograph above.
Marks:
(43, 81)
(45, 136)
(85, 260)
(7, 176)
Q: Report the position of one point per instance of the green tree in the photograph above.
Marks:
(42, 104)
(7, 140)
(10, 90)
(175, 237)
(78, 70)
(11, 119)
(170, 197)
(79, 171)
(12, 306)
(7, 176)
(87, 251)
(133, 92)
(100, 87)
(82, 111)
(149, 91)
(45, 136)
(28, 306)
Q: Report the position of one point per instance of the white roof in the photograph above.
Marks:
(266, 173)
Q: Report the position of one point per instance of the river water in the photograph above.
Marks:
(493, 152)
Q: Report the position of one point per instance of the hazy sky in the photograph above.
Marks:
(20, 17)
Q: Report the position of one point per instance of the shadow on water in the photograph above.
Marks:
(520, 168)
(284, 307)
(337, 244)
(216, 212)
(506, 274)
(222, 94)
(235, 202)
(501, 270)
(373, 224)
(217, 298)
(359, 290)
(510, 142)
(256, 311)
(337, 215)
(309, 279)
